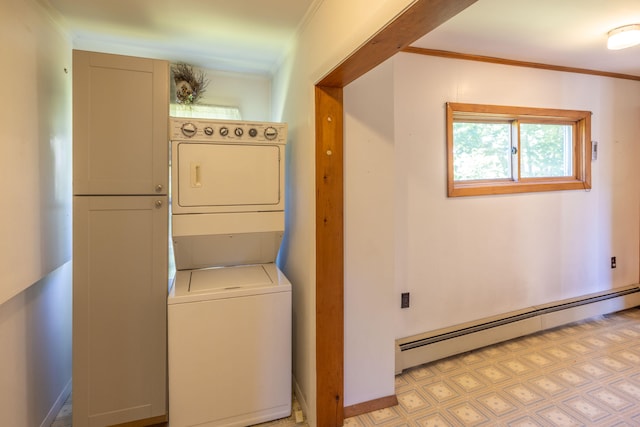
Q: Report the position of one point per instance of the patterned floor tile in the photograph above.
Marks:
(548, 386)
(525, 421)
(611, 399)
(557, 353)
(467, 414)
(412, 401)
(447, 365)
(589, 410)
(584, 374)
(434, 420)
(468, 382)
(441, 391)
(493, 374)
(524, 394)
(628, 388)
(558, 417)
(629, 356)
(593, 371)
(517, 367)
(384, 416)
(538, 360)
(420, 373)
(571, 377)
(497, 404)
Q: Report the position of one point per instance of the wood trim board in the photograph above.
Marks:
(329, 256)
(494, 60)
(370, 406)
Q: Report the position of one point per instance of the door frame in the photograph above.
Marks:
(415, 21)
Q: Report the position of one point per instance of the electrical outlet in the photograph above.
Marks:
(404, 301)
(613, 262)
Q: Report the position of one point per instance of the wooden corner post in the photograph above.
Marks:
(329, 256)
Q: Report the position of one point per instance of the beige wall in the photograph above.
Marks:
(35, 249)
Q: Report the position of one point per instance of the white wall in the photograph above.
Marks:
(35, 337)
(334, 30)
(467, 258)
(35, 249)
(369, 235)
(251, 93)
(34, 115)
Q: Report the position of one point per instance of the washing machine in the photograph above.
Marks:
(229, 308)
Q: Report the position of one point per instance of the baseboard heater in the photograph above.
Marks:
(434, 345)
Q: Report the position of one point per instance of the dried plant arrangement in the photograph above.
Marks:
(190, 84)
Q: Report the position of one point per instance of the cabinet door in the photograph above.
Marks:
(120, 124)
(119, 309)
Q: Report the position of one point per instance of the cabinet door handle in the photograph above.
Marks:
(158, 203)
(159, 188)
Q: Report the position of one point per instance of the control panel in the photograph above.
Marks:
(208, 130)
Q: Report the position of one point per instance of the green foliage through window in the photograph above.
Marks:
(481, 151)
(545, 150)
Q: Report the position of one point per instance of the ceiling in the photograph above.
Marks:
(570, 33)
(248, 36)
(252, 36)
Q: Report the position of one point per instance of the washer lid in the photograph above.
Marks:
(227, 278)
(227, 282)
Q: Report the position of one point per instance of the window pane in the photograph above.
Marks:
(545, 150)
(481, 151)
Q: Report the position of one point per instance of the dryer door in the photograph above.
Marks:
(215, 177)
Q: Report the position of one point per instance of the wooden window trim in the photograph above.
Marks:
(581, 120)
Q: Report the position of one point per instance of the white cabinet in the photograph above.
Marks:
(120, 124)
(120, 240)
(119, 314)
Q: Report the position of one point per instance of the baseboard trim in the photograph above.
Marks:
(434, 345)
(57, 405)
(158, 421)
(300, 398)
(370, 406)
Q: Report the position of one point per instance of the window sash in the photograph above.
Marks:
(493, 157)
(577, 148)
(568, 144)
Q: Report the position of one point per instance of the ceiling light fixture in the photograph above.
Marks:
(623, 37)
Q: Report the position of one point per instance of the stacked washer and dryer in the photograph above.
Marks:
(229, 309)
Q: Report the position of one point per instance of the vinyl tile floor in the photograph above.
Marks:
(583, 374)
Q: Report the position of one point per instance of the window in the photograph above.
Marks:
(202, 111)
(499, 150)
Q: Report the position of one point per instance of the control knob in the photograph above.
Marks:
(224, 131)
(270, 133)
(238, 131)
(253, 132)
(188, 129)
(208, 131)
